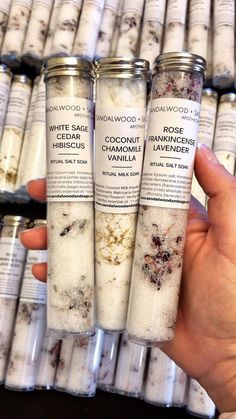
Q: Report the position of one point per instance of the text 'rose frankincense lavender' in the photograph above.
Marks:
(164, 198)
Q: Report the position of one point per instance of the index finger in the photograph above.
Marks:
(37, 189)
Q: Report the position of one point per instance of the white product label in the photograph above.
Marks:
(42, 256)
(4, 92)
(207, 124)
(12, 259)
(18, 106)
(69, 149)
(5, 6)
(225, 135)
(112, 5)
(31, 111)
(155, 11)
(23, 3)
(118, 158)
(170, 152)
(176, 11)
(224, 12)
(227, 159)
(133, 6)
(39, 114)
(32, 290)
(199, 12)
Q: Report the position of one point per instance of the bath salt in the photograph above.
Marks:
(210, 51)
(13, 133)
(5, 85)
(47, 365)
(199, 403)
(175, 26)
(20, 188)
(106, 371)
(51, 28)
(206, 131)
(152, 30)
(82, 375)
(107, 27)
(12, 261)
(121, 95)
(63, 365)
(180, 387)
(4, 14)
(198, 28)
(223, 43)
(159, 384)
(69, 120)
(116, 32)
(130, 368)
(164, 198)
(90, 19)
(36, 32)
(225, 132)
(65, 31)
(129, 28)
(15, 32)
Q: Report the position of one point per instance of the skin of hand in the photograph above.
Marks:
(205, 335)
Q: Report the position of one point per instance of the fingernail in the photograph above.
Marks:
(208, 153)
(33, 180)
(22, 233)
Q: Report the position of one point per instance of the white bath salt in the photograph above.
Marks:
(15, 32)
(4, 13)
(223, 43)
(13, 133)
(63, 365)
(180, 387)
(65, 31)
(199, 403)
(47, 365)
(152, 30)
(89, 23)
(115, 37)
(5, 84)
(20, 190)
(206, 131)
(210, 49)
(51, 28)
(160, 379)
(12, 261)
(35, 158)
(199, 22)
(106, 371)
(36, 32)
(175, 26)
(130, 28)
(164, 198)
(69, 112)
(119, 144)
(130, 368)
(107, 27)
(82, 375)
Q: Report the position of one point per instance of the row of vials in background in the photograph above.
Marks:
(30, 358)
(33, 30)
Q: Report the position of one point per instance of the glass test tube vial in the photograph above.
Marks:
(5, 85)
(130, 368)
(198, 28)
(69, 120)
(180, 387)
(121, 95)
(29, 329)
(51, 28)
(164, 199)
(63, 364)
(82, 375)
(12, 261)
(199, 403)
(107, 27)
(13, 133)
(175, 26)
(106, 371)
(4, 13)
(116, 32)
(225, 132)
(47, 365)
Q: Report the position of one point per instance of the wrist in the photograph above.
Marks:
(220, 383)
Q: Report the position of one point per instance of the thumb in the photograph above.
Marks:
(220, 186)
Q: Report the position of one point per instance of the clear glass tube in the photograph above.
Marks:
(130, 368)
(51, 28)
(198, 28)
(180, 387)
(116, 32)
(159, 385)
(107, 27)
(47, 365)
(199, 403)
(63, 365)
(160, 234)
(82, 375)
(70, 204)
(4, 14)
(106, 371)
(175, 26)
(5, 85)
